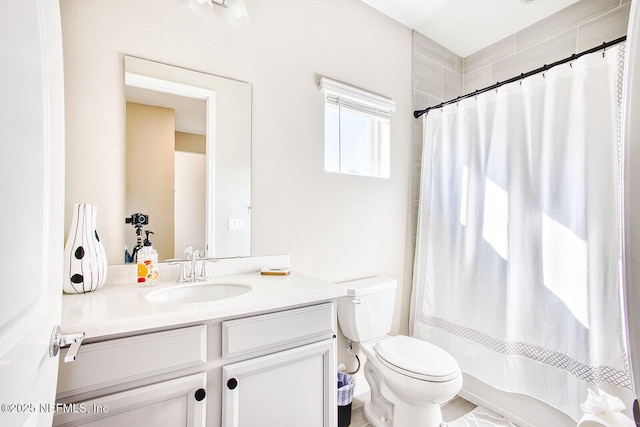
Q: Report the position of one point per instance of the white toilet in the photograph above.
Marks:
(409, 378)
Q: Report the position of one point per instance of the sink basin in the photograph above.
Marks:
(199, 292)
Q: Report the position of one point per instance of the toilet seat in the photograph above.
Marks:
(417, 359)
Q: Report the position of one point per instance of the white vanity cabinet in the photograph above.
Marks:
(271, 369)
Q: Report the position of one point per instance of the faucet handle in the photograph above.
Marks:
(182, 277)
(203, 272)
(203, 268)
(188, 251)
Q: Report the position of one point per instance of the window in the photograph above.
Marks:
(357, 128)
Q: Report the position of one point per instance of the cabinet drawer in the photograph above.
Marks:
(275, 331)
(178, 402)
(120, 360)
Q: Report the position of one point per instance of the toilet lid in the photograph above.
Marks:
(417, 358)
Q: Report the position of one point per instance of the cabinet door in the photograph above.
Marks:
(179, 402)
(291, 388)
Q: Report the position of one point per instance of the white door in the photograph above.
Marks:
(31, 206)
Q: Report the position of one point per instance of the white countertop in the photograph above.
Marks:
(123, 308)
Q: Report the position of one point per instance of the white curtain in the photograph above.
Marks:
(518, 253)
(631, 196)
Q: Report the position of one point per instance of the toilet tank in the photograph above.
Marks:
(366, 312)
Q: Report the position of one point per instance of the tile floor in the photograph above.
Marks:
(451, 410)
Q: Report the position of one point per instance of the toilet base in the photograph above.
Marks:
(406, 414)
(432, 417)
(378, 410)
(386, 409)
(375, 417)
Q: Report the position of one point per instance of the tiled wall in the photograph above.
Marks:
(581, 26)
(440, 75)
(437, 76)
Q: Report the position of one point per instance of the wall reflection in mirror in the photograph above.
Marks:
(188, 161)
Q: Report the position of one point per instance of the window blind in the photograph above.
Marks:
(353, 98)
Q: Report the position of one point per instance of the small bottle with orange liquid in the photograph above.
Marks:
(147, 259)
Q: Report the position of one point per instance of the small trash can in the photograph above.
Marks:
(345, 397)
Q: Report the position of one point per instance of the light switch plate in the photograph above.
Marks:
(236, 224)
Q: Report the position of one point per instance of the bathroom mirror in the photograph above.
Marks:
(188, 160)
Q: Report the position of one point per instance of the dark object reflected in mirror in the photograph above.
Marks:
(137, 220)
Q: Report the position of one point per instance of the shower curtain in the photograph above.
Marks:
(518, 250)
(631, 197)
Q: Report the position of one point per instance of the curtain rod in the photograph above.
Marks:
(542, 69)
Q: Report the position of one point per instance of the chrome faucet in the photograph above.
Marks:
(194, 256)
(182, 277)
(193, 275)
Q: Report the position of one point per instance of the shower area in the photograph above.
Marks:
(524, 200)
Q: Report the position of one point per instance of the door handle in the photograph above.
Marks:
(59, 340)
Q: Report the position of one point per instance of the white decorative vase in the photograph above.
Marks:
(85, 262)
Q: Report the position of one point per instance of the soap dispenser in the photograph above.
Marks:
(147, 259)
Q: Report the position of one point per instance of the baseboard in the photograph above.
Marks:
(479, 401)
(524, 411)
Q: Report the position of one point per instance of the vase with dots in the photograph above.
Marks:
(85, 262)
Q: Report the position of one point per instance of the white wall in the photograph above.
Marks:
(335, 227)
(190, 202)
(150, 168)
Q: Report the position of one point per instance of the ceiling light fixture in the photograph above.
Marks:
(236, 9)
(204, 6)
